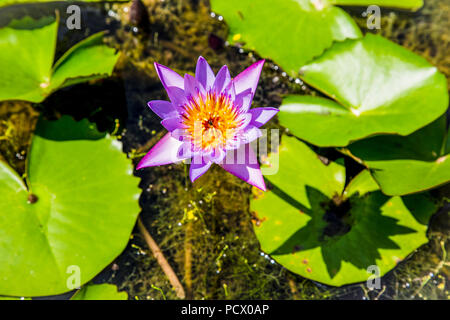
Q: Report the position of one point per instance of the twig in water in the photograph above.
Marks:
(188, 259)
(165, 266)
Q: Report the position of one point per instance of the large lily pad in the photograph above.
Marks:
(100, 292)
(85, 210)
(313, 227)
(403, 165)
(27, 50)
(290, 32)
(4, 3)
(402, 4)
(377, 87)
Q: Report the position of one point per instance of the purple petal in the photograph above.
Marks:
(168, 77)
(250, 134)
(178, 98)
(233, 143)
(249, 78)
(244, 119)
(223, 79)
(261, 115)
(198, 168)
(163, 152)
(244, 100)
(230, 91)
(180, 134)
(204, 73)
(163, 109)
(172, 124)
(192, 88)
(185, 150)
(217, 155)
(244, 165)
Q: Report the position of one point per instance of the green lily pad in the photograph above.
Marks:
(402, 4)
(334, 235)
(290, 32)
(403, 165)
(27, 50)
(85, 210)
(377, 87)
(100, 292)
(4, 3)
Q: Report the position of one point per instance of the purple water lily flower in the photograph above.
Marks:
(210, 121)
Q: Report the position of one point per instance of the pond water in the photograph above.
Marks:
(206, 230)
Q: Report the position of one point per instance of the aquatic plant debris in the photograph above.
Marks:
(210, 121)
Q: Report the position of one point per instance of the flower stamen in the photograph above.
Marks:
(210, 121)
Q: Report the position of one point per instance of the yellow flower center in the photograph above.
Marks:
(210, 121)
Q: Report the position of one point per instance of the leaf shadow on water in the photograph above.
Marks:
(354, 236)
(67, 129)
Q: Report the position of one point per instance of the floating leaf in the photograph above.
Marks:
(378, 87)
(361, 184)
(290, 32)
(100, 292)
(334, 236)
(85, 210)
(4, 3)
(402, 4)
(27, 50)
(295, 156)
(403, 165)
(14, 298)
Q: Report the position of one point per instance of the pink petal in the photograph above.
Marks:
(163, 109)
(261, 115)
(245, 166)
(249, 78)
(204, 73)
(198, 168)
(164, 152)
(223, 79)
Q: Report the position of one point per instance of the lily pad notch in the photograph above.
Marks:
(313, 225)
(86, 205)
(27, 50)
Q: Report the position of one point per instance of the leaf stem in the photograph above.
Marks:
(165, 266)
